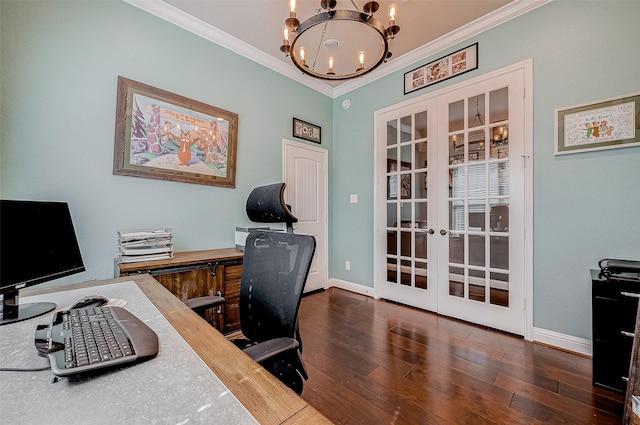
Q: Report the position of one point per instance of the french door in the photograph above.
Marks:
(406, 155)
(450, 214)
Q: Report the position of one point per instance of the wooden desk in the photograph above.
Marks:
(265, 397)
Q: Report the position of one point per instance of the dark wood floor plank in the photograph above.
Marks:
(344, 405)
(555, 404)
(377, 362)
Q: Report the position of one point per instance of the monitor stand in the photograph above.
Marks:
(13, 312)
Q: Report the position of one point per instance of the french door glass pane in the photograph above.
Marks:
(392, 243)
(421, 155)
(405, 129)
(476, 114)
(421, 245)
(456, 116)
(421, 125)
(476, 250)
(392, 270)
(420, 214)
(392, 215)
(499, 105)
(405, 272)
(392, 133)
(405, 244)
(405, 156)
(477, 285)
(421, 275)
(421, 185)
(456, 281)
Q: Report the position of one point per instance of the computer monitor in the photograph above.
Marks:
(37, 244)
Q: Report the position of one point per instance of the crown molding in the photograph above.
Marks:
(187, 22)
(484, 23)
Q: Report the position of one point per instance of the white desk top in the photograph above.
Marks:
(175, 387)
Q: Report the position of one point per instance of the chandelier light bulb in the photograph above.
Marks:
(361, 57)
(393, 12)
(302, 53)
(330, 61)
(285, 48)
(292, 8)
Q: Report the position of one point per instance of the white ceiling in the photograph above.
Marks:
(251, 28)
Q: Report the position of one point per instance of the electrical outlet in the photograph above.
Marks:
(347, 265)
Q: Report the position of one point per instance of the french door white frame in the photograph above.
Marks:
(380, 178)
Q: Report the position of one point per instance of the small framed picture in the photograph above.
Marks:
(306, 131)
(457, 63)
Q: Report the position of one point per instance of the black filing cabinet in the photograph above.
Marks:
(615, 305)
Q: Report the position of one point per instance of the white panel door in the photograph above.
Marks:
(305, 175)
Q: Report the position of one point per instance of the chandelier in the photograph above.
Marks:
(360, 40)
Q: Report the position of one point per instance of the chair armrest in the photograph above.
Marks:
(270, 348)
(201, 303)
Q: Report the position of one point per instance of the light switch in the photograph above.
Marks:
(354, 198)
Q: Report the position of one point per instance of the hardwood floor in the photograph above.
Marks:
(377, 362)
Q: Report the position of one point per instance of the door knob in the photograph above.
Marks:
(443, 232)
(431, 231)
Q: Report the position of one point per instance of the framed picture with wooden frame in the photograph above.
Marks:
(165, 136)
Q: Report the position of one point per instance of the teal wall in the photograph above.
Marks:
(585, 205)
(60, 65)
(60, 62)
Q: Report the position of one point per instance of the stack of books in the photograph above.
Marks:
(145, 245)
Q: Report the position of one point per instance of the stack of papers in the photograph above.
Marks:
(145, 245)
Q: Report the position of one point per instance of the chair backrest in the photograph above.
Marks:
(274, 272)
(265, 204)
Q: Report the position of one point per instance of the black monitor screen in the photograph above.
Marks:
(38, 244)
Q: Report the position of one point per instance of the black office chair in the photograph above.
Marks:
(274, 272)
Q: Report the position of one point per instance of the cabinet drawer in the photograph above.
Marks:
(612, 315)
(611, 364)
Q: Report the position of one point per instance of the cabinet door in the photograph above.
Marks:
(231, 292)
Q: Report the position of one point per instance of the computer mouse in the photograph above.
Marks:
(90, 301)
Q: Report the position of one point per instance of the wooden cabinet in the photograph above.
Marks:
(199, 273)
(615, 307)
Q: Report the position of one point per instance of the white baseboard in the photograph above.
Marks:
(544, 336)
(353, 287)
(563, 341)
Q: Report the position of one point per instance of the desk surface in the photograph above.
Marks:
(267, 399)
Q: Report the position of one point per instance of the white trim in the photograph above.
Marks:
(563, 341)
(352, 287)
(527, 68)
(187, 22)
